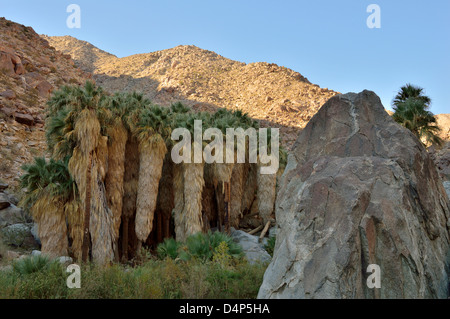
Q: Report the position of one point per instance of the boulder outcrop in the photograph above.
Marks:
(359, 190)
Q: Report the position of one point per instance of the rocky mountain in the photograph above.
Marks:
(30, 69)
(204, 80)
(88, 57)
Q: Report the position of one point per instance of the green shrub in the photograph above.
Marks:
(201, 246)
(270, 246)
(198, 246)
(234, 249)
(168, 248)
(31, 264)
(222, 255)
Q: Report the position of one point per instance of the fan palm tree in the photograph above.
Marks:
(411, 91)
(194, 182)
(49, 190)
(411, 111)
(223, 172)
(152, 129)
(121, 105)
(76, 128)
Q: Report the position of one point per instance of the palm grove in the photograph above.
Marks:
(110, 185)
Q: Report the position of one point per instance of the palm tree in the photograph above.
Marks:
(121, 106)
(411, 91)
(76, 128)
(152, 130)
(49, 191)
(231, 175)
(411, 111)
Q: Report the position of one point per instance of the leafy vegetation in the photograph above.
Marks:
(199, 246)
(31, 264)
(154, 279)
(411, 111)
(270, 245)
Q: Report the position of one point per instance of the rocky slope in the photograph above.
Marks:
(29, 70)
(443, 121)
(277, 96)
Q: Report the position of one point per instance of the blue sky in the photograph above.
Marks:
(327, 41)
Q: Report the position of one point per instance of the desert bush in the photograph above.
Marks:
(15, 235)
(31, 264)
(270, 245)
(168, 248)
(200, 246)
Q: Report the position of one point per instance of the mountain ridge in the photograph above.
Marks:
(204, 80)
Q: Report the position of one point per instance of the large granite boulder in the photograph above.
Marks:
(442, 160)
(359, 190)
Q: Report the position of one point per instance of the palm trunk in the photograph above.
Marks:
(87, 132)
(115, 176)
(222, 173)
(266, 194)
(178, 194)
(193, 188)
(226, 186)
(151, 158)
(250, 188)
(125, 239)
(52, 228)
(209, 206)
(101, 219)
(166, 197)
(236, 194)
(75, 222)
(87, 211)
(130, 186)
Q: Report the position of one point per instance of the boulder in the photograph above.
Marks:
(10, 63)
(10, 216)
(447, 188)
(4, 201)
(9, 112)
(65, 260)
(8, 94)
(18, 235)
(38, 82)
(3, 186)
(6, 64)
(254, 251)
(44, 88)
(35, 232)
(24, 119)
(442, 159)
(12, 198)
(359, 190)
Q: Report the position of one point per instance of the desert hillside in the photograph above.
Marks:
(274, 95)
(443, 121)
(30, 69)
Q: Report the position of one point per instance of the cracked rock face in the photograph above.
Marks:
(359, 190)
